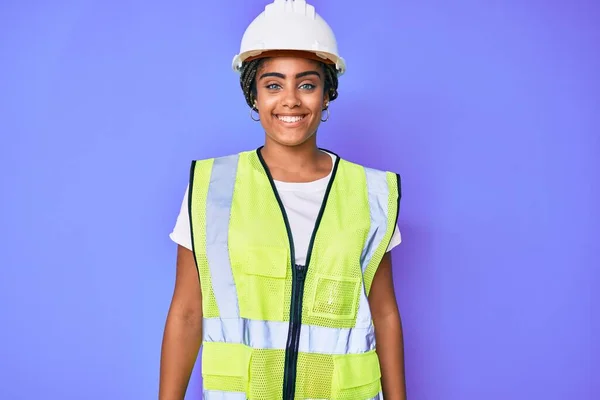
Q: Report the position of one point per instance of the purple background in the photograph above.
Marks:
(489, 109)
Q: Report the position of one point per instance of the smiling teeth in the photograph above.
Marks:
(290, 119)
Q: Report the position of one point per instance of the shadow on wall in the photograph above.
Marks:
(418, 294)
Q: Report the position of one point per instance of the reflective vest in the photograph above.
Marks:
(273, 329)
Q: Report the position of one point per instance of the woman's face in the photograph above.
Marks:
(290, 98)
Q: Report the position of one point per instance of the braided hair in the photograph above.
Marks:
(248, 80)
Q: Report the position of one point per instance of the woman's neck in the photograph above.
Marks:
(304, 163)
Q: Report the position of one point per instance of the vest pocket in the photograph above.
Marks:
(226, 366)
(356, 376)
(335, 297)
(264, 283)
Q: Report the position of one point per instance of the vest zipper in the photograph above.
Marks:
(298, 277)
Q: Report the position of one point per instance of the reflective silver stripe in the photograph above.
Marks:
(218, 395)
(218, 208)
(378, 192)
(273, 335)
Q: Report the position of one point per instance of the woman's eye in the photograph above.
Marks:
(308, 86)
(273, 86)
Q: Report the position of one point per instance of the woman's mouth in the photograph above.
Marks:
(290, 119)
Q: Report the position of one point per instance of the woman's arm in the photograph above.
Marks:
(388, 331)
(183, 330)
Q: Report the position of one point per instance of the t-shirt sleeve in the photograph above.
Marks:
(396, 239)
(181, 233)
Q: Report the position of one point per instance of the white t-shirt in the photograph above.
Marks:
(302, 202)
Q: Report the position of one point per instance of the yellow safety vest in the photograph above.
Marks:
(273, 329)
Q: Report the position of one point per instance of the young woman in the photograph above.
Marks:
(284, 272)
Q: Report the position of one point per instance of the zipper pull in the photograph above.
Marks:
(301, 270)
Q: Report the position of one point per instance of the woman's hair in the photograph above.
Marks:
(248, 80)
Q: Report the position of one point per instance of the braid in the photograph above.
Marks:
(331, 81)
(248, 80)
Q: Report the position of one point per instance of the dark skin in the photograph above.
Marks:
(388, 331)
(292, 89)
(183, 330)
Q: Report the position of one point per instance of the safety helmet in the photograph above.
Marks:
(289, 25)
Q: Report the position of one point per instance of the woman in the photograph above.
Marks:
(284, 267)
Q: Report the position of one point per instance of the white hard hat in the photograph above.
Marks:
(289, 25)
